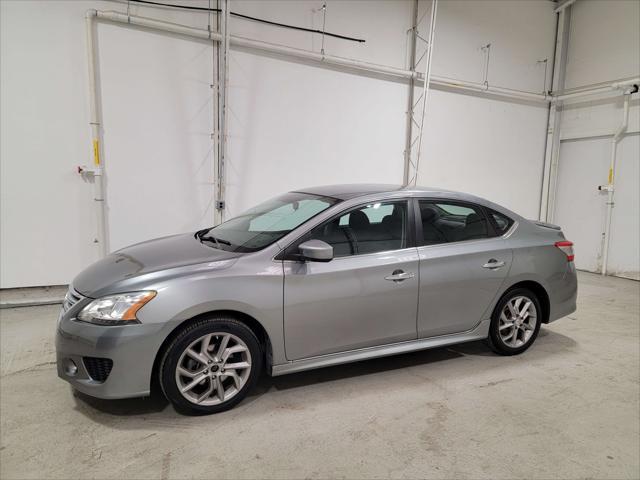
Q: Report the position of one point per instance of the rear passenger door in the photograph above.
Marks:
(463, 262)
(366, 296)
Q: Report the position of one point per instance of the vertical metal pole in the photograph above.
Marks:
(411, 96)
(96, 132)
(324, 21)
(606, 235)
(222, 97)
(415, 124)
(426, 79)
(552, 148)
(215, 83)
(486, 49)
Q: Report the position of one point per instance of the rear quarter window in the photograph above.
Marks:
(501, 223)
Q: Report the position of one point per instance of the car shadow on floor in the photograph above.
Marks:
(356, 369)
(156, 402)
(548, 343)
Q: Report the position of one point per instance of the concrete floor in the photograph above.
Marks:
(567, 408)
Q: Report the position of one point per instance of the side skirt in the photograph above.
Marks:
(478, 333)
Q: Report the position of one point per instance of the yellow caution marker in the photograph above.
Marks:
(96, 153)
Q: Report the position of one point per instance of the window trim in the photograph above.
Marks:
(491, 231)
(284, 255)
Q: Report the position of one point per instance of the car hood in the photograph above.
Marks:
(152, 260)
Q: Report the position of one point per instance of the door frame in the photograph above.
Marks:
(286, 256)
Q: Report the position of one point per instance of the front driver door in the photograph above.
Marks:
(366, 296)
(463, 263)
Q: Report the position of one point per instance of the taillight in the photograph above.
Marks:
(567, 248)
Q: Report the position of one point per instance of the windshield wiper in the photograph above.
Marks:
(217, 241)
(200, 233)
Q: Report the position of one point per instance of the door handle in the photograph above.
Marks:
(493, 264)
(399, 276)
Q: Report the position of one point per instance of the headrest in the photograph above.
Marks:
(394, 217)
(473, 218)
(358, 219)
(397, 213)
(429, 214)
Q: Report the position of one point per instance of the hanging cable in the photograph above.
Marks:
(255, 19)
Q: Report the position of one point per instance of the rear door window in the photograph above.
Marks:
(444, 222)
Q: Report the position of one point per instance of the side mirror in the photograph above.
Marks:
(316, 251)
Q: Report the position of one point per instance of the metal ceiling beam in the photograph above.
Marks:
(349, 64)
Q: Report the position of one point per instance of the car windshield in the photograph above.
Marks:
(266, 223)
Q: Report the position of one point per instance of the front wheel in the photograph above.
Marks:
(515, 322)
(210, 366)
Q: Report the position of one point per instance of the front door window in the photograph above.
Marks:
(372, 228)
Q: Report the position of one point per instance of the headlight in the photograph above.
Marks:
(118, 309)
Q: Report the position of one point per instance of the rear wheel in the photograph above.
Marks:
(515, 322)
(210, 366)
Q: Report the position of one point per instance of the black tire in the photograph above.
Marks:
(190, 334)
(495, 341)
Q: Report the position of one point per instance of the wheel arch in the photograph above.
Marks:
(541, 293)
(256, 327)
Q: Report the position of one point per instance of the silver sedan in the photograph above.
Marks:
(311, 278)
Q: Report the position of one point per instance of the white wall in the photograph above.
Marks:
(291, 125)
(488, 147)
(604, 41)
(469, 140)
(604, 46)
(520, 33)
(292, 128)
(47, 219)
(157, 143)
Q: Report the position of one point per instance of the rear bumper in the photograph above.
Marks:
(563, 294)
(132, 349)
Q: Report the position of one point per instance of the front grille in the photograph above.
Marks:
(70, 299)
(98, 368)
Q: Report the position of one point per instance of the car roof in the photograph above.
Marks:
(353, 190)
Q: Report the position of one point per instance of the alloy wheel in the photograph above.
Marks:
(213, 369)
(518, 321)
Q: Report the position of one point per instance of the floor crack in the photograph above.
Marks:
(28, 369)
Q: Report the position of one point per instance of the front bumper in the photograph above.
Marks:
(132, 348)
